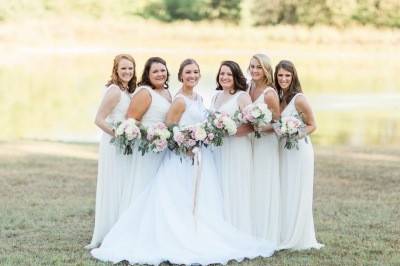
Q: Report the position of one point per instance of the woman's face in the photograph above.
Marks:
(158, 75)
(225, 78)
(256, 70)
(125, 70)
(190, 75)
(284, 78)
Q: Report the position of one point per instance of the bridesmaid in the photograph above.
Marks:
(149, 105)
(112, 166)
(233, 158)
(265, 180)
(296, 166)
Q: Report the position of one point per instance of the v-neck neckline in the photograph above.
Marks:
(289, 102)
(262, 93)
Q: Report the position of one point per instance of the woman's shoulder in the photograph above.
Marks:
(112, 90)
(143, 88)
(112, 87)
(300, 100)
(270, 93)
(143, 91)
(243, 95)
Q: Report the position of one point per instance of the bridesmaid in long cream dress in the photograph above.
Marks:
(112, 166)
(265, 180)
(149, 105)
(296, 165)
(233, 158)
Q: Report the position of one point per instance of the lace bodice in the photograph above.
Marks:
(195, 111)
(119, 111)
(228, 107)
(158, 108)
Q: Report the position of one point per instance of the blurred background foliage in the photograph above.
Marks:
(340, 13)
(56, 56)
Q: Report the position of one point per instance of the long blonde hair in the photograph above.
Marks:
(266, 65)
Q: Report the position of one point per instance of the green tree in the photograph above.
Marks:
(328, 12)
(194, 10)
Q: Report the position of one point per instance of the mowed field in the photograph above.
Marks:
(47, 197)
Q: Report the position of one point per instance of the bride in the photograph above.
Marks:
(160, 225)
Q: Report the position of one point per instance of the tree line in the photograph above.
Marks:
(381, 13)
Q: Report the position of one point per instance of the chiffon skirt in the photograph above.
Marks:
(163, 225)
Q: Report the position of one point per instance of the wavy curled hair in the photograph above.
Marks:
(145, 81)
(294, 86)
(266, 66)
(115, 79)
(239, 81)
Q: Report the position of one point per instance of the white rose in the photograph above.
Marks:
(263, 107)
(255, 112)
(200, 133)
(120, 130)
(230, 126)
(130, 122)
(231, 129)
(164, 134)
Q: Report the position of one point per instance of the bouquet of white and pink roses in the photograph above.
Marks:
(155, 138)
(126, 133)
(256, 114)
(185, 139)
(292, 128)
(217, 126)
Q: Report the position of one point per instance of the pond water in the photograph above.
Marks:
(55, 95)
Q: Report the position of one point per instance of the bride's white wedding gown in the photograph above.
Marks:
(160, 226)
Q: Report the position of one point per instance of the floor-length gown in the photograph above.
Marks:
(160, 225)
(112, 173)
(144, 167)
(297, 175)
(265, 184)
(234, 165)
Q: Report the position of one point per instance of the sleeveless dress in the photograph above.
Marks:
(144, 167)
(160, 225)
(297, 174)
(265, 187)
(234, 165)
(112, 173)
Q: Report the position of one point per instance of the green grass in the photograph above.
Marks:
(47, 197)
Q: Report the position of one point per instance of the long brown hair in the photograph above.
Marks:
(115, 79)
(146, 72)
(239, 81)
(186, 62)
(294, 87)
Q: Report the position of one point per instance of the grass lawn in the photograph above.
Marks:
(47, 197)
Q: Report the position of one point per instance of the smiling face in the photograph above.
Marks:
(256, 70)
(125, 71)
(190, 75)
(284, 78)
(158, 75)
(225, 78)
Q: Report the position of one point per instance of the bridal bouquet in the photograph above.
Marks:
(126, 134)
(186, 138)
(292, 129)
(217, 126)
(256, 114)
(156, 138)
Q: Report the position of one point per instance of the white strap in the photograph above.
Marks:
(197, 176)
